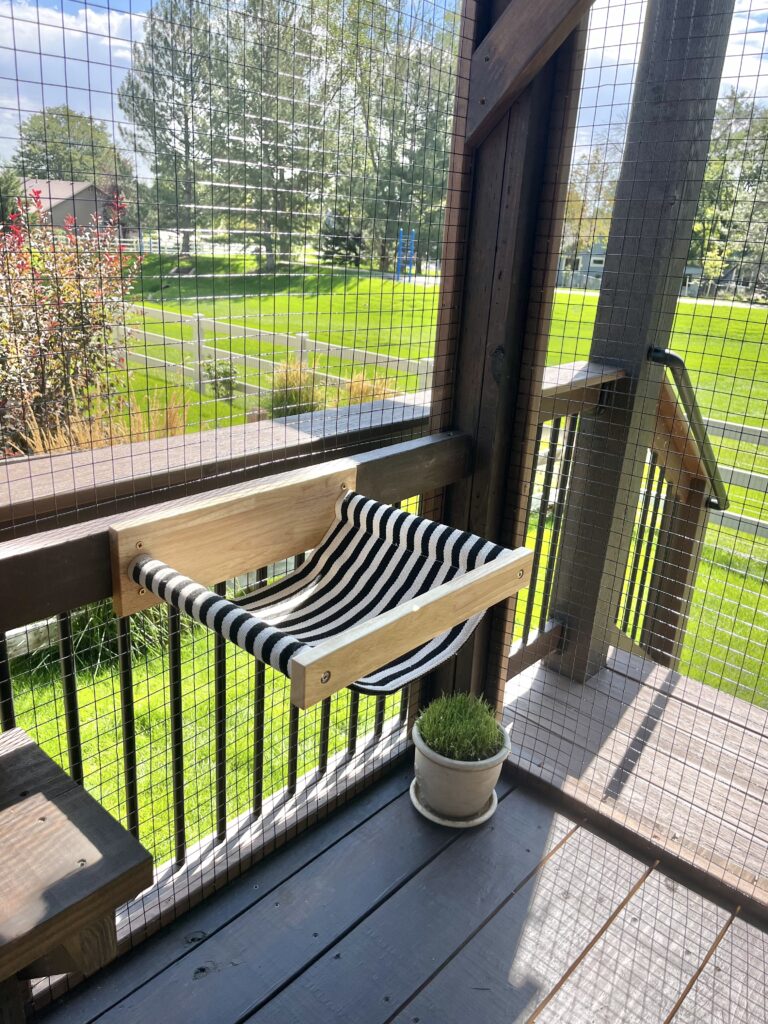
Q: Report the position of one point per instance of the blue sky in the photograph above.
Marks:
(77, 53)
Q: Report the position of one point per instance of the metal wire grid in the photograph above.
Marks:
(679, 758)
(282, 173)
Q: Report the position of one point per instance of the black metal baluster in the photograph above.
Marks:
(549, 471)
(381, 708)
(293, 725)
(177, 732)
(220, 724)
(7, 712)
(563, 483)
(129, 723)
(71, 711)
(325, 734)
(656, 482)
(633, 593)
(354, 714)
(259, 699)
(404, 698)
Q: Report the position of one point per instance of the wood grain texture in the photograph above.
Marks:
(503, 973)
(319, 671)
(47, 491)
(733, 987)
(74, 561)
(376, 968)
(247, 961)
(675, 446)
(656, 201)
(176, 940)
(222, 535)
(65, 863)
(516, 48)
(658, 754)
(637, 970)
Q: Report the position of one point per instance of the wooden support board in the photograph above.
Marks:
(221, 536)
(65, 863)
(215, 536)
(319, 671)
(517, 47)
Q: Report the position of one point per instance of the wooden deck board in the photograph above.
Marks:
(639, 968)
(733, 987)
(246, 963)
(675, 761)
(380, 965)
(129, 973)
(511, 965)
(383, 917)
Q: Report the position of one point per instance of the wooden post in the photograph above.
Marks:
(494, 242)
(676, 89)
(675, 565)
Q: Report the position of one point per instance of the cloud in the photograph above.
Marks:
(76, 54)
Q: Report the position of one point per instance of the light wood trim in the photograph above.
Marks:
(220, 536)
(369, 645)
(675, 446)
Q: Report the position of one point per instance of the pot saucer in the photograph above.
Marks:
(478, 819)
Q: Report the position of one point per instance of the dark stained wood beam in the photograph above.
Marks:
(63, 569)
(513, 52)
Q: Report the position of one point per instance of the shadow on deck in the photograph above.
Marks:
(377, 916)
(680, 765)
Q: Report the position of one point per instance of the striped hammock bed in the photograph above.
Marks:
(373, 558)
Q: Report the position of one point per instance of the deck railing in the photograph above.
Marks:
(193, 745)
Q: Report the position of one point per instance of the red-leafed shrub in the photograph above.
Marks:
(62, 300)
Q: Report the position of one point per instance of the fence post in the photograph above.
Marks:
(656, 201)
(304, 345)
(199, 340)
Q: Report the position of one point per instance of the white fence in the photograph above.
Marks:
(301, 346)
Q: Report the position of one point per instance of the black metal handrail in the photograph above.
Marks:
(676, 365)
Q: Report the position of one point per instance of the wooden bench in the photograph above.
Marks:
(65, 866)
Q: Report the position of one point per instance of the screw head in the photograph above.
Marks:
(343, 486)
(520, 574)
(325, 677)
(139, 545)
(142, 591)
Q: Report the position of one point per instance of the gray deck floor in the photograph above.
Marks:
(679, 764)
(377, 916)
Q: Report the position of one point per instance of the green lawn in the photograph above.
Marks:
(39, 708)
(725, 350)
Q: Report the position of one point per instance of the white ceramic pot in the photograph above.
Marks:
(456, 793)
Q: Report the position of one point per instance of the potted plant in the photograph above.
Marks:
(460, 748)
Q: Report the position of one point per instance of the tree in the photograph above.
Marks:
(167, 96)
(10, 192)
(58, 143)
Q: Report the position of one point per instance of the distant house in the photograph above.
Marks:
(584, 269)
(78, 199)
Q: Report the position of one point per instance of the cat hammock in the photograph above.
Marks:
(383, 598)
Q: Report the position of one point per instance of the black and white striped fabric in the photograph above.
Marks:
(373, 558)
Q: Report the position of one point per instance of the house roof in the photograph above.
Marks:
(53, 191)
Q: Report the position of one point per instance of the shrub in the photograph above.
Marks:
(124, 422)
(293, 392)
(461, 727)
(221, 374)
(62, 297)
